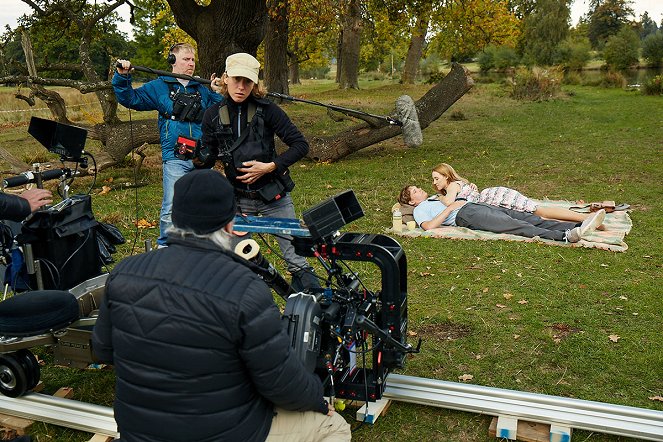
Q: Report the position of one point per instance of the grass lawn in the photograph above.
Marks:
(513, 315)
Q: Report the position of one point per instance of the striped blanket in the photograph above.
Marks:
(617, 225)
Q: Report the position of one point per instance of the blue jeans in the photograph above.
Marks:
(172, 171)
(281, 208)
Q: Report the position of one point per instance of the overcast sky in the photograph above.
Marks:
(10, 10)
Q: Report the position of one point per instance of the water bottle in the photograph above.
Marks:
(398, 221)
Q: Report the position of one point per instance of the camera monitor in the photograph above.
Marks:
(330, 215)
(62, 139)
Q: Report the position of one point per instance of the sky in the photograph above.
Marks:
(10, 10)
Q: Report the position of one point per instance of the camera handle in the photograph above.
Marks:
(364, 323)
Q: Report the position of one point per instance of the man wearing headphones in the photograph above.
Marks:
(181, 105)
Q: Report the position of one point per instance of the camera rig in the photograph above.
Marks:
(334, 328)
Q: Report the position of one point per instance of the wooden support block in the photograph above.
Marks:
(375, 410)
(64, 392)
(18, 424)
(101, 438)
(560, 433)
(530, 431)
(39, 387)
(507, 427)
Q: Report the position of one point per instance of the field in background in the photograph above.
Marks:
(464, 296)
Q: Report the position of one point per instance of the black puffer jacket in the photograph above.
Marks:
(198, 347)
(13, 207)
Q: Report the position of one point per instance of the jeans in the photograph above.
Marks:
(172, 171)
(479, 216)
(281, 208)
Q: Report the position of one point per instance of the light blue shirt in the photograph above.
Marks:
(429, 209)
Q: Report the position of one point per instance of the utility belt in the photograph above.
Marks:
(272, 191)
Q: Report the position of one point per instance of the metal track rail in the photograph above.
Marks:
(63, 412)
(575, 413)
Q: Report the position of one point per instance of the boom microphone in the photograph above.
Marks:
(30, 177)
(406, 110)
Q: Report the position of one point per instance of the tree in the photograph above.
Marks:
(276, 47)
(312, 32)
(648, 26)
(652, 49)
(462, 28)
(544, 29)
(152, 24)
(221, 28)
(349, 44)
(621, 50)
(606, 18)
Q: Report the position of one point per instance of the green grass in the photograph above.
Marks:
(592, 143)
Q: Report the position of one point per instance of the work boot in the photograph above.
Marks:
(304, 279)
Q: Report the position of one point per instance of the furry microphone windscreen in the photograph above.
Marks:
(407, 114)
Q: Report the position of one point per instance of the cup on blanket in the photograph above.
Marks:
(411, 225)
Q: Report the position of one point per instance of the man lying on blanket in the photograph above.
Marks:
(431, 213)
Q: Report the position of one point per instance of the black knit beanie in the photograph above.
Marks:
(204, 201)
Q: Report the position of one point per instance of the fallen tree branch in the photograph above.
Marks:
(429, 108)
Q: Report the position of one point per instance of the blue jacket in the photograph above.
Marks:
(155, 95)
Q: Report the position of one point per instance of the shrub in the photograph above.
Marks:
(572, 77)
(486, 58)
(613, 79)
(536, 84)
(621, 50)
(506, 57)
(573, 54)
(654, 86)
(498, 57)
(652, 49)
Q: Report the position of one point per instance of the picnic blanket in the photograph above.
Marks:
(617, 225)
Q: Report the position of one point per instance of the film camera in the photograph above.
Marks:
(336, 328)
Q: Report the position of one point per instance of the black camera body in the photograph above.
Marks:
(352, 337)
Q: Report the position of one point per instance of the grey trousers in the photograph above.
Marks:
(479, 216)
(281, 208)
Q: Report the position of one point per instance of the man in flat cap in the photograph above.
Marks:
(197, 342)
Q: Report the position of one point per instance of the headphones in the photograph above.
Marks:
(171, 57)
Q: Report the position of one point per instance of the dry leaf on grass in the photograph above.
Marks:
(500, 305)
(657, 398)
(104, 190)
(614, 338)
(522, 301)
(507, 295)
(145, 224)
(465, 377)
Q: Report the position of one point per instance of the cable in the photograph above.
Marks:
(133, 161)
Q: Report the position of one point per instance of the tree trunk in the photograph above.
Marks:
(339, 56)
(293, 65)
(222, 28)
(415, 50)
(276, 48)
(350, 46)
(429, 108)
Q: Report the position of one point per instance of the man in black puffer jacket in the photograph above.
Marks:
(18, 207)
(197, 342)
